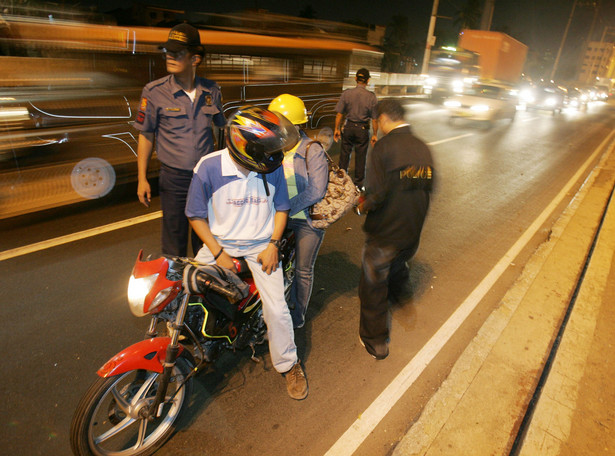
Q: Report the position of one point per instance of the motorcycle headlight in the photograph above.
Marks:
(161, 297)
(138, 289)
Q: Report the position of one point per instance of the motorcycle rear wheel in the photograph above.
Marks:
(107, 420)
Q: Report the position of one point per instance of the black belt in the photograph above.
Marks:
(176, 171)
(358, 124)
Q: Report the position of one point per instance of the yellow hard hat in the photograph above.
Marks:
(291, 107)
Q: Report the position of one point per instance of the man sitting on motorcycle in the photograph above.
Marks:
(238, 205)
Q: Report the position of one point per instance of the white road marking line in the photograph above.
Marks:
(354, 436)
(19, 251)
(530, 119)
(435, 143)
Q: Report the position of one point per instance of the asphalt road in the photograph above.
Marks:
(64, 311)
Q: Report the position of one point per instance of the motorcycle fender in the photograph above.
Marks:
(148, 354)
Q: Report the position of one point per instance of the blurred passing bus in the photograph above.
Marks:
(69, 93)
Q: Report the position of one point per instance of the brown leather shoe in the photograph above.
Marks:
(296, 383)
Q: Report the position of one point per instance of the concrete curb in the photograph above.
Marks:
(480, 406)
(552, 418)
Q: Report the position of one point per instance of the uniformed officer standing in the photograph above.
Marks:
(358, 105)
(178, 111)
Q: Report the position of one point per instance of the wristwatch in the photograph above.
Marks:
(275, 242)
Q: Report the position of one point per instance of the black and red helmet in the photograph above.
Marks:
(257, 138)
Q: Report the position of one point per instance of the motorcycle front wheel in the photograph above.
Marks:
(107, 421)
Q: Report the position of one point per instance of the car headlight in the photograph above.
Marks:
(9, 114)
(138, 289)
(480, 108)
(457, 86)
(431, 81)
(551, 101)
(452, 104)
(526, 96)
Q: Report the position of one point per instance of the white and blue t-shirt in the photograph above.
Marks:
(236, 206)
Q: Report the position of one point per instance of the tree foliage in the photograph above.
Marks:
(469, 16)
(399, 50)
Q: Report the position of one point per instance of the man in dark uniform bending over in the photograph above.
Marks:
(399, 183)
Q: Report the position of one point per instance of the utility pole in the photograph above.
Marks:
(561, 46)
(485, 21)
(589, 39)
(431, 39)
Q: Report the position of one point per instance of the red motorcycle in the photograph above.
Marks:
(132, 409)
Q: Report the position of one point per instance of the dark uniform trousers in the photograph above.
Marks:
(174, 184)
(355, 134)
(384, 273)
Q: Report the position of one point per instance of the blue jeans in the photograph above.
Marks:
(308, 241)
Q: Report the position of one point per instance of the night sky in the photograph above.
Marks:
(540, 24)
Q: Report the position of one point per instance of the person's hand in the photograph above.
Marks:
(144, 192)
(374, 139)
(269, 258)
(337, 135)
(226, 261)
(359, 208)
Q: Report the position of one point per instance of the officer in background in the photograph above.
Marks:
(358, 105)
(178, 112)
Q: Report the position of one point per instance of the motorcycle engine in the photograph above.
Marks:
(208, 322)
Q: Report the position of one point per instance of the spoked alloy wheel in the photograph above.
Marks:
(108, 423)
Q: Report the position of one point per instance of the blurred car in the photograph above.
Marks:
(598, 93)
(65, 146)
(576, 100)
(483, 102)
(544, 98)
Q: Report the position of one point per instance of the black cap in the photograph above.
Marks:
(363, 74)
(183, 36)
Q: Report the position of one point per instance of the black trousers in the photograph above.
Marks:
(357, 136)
(384, 269)
(173, 187)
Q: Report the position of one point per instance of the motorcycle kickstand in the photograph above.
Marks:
(253, 357)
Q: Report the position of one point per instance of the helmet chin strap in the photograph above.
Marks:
(265, 183)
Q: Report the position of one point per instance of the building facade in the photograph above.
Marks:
(598, 62)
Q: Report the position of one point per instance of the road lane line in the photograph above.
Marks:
(49, 243)
(354, 436)
(435, 143)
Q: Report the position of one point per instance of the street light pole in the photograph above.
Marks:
(485, 22)
(431, 39)
(561, 46)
